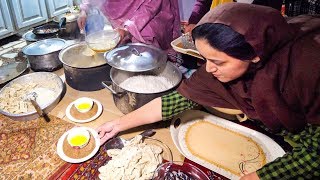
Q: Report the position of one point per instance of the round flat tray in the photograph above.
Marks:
(178, 132)
(12, 70)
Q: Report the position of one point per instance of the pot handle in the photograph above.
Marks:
(106, 84)
(62, 23)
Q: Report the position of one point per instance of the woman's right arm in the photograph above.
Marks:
(163, 108)
(149, 113)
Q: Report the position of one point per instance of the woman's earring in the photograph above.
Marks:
(256, 59)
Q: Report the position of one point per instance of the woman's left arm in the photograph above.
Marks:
(302, 162)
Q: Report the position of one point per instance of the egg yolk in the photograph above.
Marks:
(83, 106)
(78, 140)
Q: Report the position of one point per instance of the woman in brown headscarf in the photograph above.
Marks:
(262, 65)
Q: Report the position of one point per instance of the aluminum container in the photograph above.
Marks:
(44, 55)
(39, 78)
(127, 101)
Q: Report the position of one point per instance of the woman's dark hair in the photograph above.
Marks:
(225, 39)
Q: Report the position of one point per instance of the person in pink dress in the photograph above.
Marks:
(150, 22)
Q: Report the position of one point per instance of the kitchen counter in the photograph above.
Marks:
(110, 112)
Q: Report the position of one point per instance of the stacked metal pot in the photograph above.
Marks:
(43, 55)
(133, 60)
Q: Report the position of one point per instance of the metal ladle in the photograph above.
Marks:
(32, 98)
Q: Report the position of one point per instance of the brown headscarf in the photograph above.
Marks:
(283, 89)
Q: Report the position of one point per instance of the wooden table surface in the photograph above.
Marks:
(110, 112)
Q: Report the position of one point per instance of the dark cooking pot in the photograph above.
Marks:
(83, 72)
(43, 55)
(71, 29)
(127, 101)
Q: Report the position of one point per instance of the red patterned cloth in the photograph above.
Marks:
(28, 148)
(85, 170)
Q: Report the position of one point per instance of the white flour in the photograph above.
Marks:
(45, 96)
(146, 84)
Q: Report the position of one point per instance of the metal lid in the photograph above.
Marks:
(136, 57)
(12, 70)
(44, 46)
(31, 37)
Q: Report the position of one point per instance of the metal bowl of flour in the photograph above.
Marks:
(12, 94)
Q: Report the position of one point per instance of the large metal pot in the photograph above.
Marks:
(44, 55)
(82, 72)
(127, 101)
(71, 29)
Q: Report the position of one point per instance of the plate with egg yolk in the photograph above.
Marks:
(78, 144)
(74, 110)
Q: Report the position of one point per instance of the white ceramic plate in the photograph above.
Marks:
(69, 116)
(271, 149)
(72, 160)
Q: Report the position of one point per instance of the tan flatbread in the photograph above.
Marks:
(78, 153)
(224, 148)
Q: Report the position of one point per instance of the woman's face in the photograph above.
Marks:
(225, 68)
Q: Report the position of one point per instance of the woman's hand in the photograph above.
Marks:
(189, 28)
(82, 20)
(108, 130)
(123, 33)
(147, 114)
(250, 176)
